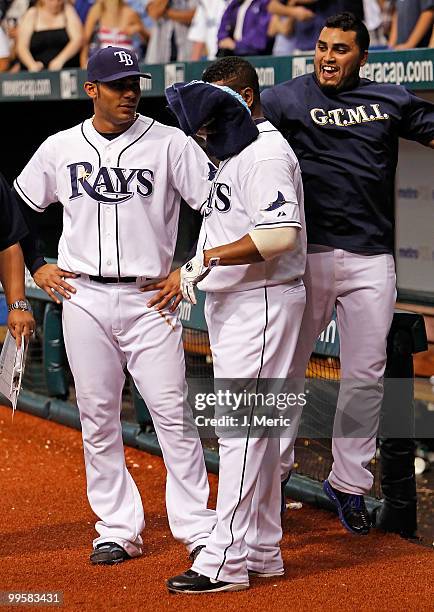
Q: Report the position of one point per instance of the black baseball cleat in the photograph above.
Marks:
(194, 583)
(351, 508)
(194, 553)
(108, 553)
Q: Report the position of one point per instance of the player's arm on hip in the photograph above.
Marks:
(168, 292)
(51, 279)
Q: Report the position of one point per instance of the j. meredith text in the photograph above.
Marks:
(234, 421)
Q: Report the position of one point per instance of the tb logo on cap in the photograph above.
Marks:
(124, 58)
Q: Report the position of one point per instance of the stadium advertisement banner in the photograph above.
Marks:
(413, 69)
(271, 70)
(15, 87)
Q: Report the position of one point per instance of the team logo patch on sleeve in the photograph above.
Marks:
(280, 201)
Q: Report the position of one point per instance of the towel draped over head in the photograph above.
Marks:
(197, 103)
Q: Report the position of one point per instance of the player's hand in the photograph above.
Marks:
(192, 273)
(21, 323)
(170, 289)
(50, 278)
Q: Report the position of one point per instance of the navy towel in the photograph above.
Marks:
(197, 103)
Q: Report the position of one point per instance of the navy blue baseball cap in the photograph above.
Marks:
(113, 63)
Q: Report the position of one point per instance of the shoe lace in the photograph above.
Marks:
(356, 502)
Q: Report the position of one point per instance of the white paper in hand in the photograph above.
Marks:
(12, 362)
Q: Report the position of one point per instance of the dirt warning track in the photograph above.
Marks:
(47, 531)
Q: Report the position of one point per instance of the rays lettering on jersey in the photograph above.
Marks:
(219, 198)
(345, 117)
(110, 185)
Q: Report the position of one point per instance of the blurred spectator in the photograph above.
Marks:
(140, 45)
(388, 9)
(294, 15)
(169, 36)
(309, 17)
(3, 8)
(83, 7)
(204, 28)
(8, 23)
(50, 36)
(374, 22)
(111, 23)
(244, 29)
(431, 42)
(282, 29)
(4, 50)
(350, 6)
(12, 12)
(412, 24)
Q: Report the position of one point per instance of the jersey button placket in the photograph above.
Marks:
(109, 243)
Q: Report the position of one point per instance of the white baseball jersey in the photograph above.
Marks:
(120, 197)
(260, 187)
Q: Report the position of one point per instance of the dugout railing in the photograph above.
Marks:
(48, 392)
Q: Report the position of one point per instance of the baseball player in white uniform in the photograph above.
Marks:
(120, 177)
(254, 306)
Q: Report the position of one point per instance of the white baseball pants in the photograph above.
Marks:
(363, 290)
(108, 328)
(253, 334)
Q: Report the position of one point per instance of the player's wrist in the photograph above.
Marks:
(36, 265)
(20, 304)
(210, 259)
